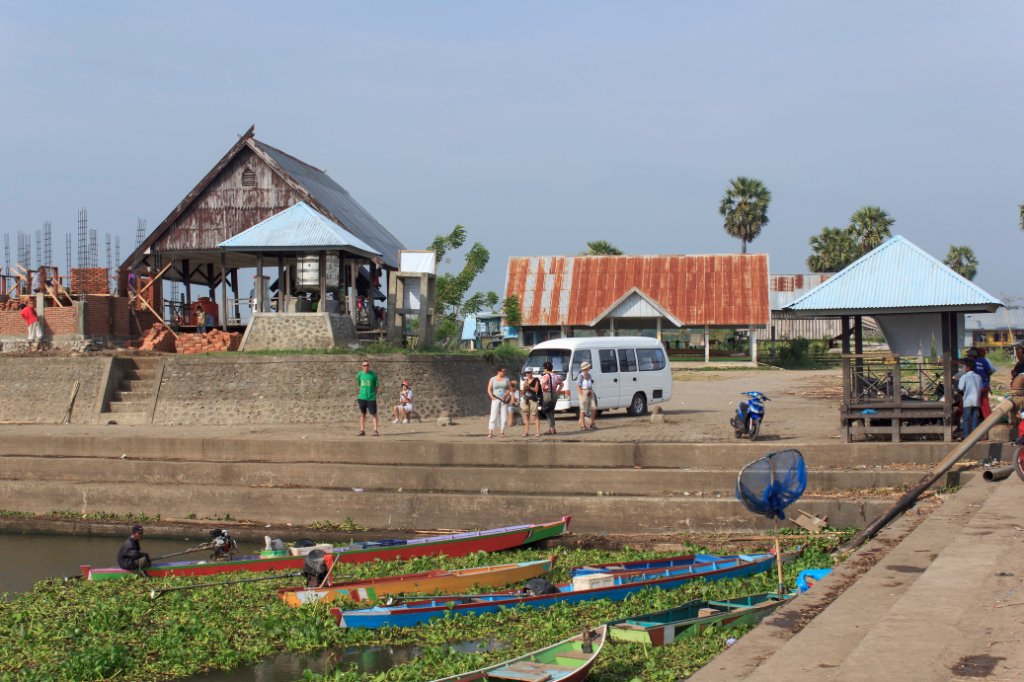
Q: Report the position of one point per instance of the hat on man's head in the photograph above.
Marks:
(137, 529)
(585, 366)
(405, 382)
(527, 371)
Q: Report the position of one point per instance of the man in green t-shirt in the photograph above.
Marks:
(367, 382)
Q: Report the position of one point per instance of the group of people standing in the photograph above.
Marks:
(536, 397)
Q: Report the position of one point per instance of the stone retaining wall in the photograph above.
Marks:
(313, 388)
(37, 389)
(298, 331)
(201, 389)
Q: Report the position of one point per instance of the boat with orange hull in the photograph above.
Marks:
(455, 580)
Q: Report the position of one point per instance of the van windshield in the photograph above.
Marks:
(558, 357)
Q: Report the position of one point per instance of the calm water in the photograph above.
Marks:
(27, 559)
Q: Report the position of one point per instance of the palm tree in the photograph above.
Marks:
(601, 248)
(870, 227)
(962, 261)
(832, 250)
(745, 209)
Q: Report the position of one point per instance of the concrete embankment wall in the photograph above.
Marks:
(38, 389)
(389, 483)
(245, 389)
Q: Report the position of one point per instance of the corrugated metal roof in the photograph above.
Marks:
(894, 277)
(784, 289)
(1006, 318)
(721, 290)
(295, 228)
(339, 204)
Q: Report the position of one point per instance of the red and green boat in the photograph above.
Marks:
(454, 545)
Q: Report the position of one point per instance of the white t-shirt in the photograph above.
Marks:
(970, 386)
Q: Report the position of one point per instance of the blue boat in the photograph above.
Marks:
(611, 585)
(661, 563)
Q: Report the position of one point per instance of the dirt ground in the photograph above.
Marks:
(803, 407)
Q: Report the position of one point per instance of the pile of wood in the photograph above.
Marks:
(213, 341)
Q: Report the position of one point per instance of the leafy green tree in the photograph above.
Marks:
(832, 250)
(1021, 216)
(513, 311)
(870, 227)
(601, 248)
(962, 261)
(745, 209)
(452, 290)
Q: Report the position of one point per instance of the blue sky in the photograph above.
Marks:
(537, 125)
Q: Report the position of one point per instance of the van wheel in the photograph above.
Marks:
(638, 405)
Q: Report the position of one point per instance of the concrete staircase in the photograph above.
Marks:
(132, 400)
(291, 475)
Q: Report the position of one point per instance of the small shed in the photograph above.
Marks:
(919, 304)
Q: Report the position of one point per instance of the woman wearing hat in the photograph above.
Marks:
(403, 410)
(588, 401)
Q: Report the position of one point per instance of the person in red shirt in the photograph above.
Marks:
(35, 332)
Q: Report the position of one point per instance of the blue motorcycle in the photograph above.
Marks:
(749, 414)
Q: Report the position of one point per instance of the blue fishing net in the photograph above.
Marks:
(768, 485)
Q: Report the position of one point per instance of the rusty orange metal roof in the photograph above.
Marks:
(714, 290)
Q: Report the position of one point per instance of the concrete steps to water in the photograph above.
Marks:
(278, 475)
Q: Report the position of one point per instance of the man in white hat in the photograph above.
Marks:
(588, 400)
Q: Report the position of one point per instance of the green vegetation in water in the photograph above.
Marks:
(113, 629)
(347, 525)
(10, 513)
(72, 515)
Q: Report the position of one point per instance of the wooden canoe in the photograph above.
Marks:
(457, 544)
(610, 586)
(568, 661)
(694, 617)
(445, 581)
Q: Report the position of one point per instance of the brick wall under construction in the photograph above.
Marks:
(106, 317)
(90, 281)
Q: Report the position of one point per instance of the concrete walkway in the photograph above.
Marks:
(941, 601)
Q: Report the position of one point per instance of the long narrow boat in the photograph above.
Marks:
(459, 579)
(456, 544)
(568, 661)
(661, 563)
(611, 586)
(694, 617)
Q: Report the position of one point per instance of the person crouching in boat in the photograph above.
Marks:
(131, 557)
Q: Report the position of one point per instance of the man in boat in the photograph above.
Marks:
(131, 557)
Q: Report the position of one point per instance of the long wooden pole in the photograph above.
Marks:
(153, 594)
(930, 478)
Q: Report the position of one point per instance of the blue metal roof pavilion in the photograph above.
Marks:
(896, 277)
(297, 229)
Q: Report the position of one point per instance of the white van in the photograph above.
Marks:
(628, 371)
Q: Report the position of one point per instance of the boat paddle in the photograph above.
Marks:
(153, 594)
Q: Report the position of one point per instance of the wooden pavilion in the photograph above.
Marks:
(919, 305)
(251, 183)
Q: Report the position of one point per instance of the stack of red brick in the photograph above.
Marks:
(158, 338)
(210, 342)
(90, 281)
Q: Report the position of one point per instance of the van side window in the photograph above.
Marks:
(578, 359)
(627, 360)
(608, 363)
(650, 359)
